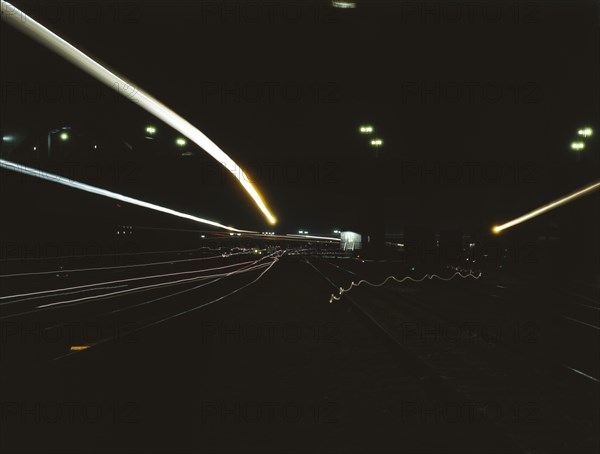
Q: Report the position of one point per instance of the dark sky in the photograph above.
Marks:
(476, 103)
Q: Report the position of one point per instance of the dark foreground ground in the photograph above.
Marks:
(489, 365)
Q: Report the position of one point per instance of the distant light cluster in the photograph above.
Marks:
(343, 4)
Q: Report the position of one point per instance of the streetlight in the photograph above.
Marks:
(377, 143)
(577, 146)
(181, 142)
(151, 130)
(368, 130)
(64, 136)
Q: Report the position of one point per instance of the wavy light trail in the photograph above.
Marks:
(32, 28)
(427, 276)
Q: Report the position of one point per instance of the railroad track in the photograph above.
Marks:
(438, 384)
(470, 369)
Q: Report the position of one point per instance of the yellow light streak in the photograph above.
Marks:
(550, 206)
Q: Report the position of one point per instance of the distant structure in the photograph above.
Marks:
(450, 245)
(343, 4)
(350, 241)
(420, 244)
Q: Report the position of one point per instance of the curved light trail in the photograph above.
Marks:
(550, 206)
(27, 25)
(132, 279)
(185, 312)
(249, 268)
(137, 289)
(144, 288)
(121, 267)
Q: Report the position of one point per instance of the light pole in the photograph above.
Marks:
(374, 223)
(377, 144)
(63, 136)
(579, 145)
(150, 132)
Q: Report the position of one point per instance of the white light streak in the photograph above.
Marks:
(95, 298)
(94, 286)
(136, 289)
(118, 267)
(114, 254)
(44, 36)
(220, 277)
(310, 237)
(9, 165)
(550, 206)
(268, 267)
(159, 285)
(249, 268)
(170, 317)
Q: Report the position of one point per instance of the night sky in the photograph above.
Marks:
(282, 87)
